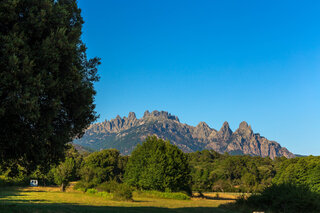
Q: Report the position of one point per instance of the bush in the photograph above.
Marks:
(110, 190)
(92, 191)
(106, 195)
(83, 186)
(166, 195)
(282, 198)
(110, 186)
(122, 192)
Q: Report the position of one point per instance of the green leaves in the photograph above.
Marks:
(223, 172)
(46, 80)
(158, 165)
(303, 171)
(63, 172)
(102, 166)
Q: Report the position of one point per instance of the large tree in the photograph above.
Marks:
(158, 165)
(46, 80)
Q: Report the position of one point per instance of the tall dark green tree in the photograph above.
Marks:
(46, 80)
(158, 165)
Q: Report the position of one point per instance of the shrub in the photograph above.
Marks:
(110, 186)
(122, 192)
(282, 198)
(83, 186)
(92, 191)
(106, 195)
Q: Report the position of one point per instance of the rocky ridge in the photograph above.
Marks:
(126, 132)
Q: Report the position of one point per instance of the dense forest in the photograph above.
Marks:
(158, 165)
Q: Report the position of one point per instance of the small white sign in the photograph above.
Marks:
(33, 182)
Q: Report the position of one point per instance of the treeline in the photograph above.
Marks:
(212, 171)
(159, 165)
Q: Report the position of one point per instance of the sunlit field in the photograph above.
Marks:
(50, 199)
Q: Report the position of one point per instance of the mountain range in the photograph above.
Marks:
(126, 132)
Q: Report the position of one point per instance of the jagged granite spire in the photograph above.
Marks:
(132, 116)
(225, 132)
(244, 129)
(202, 130)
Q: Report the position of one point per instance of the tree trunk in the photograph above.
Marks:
(63, 187)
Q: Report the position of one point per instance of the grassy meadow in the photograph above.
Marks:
(50, 199)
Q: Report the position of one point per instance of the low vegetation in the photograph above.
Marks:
(165, 195)
(280, 198)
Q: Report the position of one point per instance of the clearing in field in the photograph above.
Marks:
(50, 199)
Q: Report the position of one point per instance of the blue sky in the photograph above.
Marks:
(211, 61)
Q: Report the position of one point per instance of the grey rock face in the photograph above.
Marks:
(125, 133)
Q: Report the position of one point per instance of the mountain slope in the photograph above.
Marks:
(125, 133)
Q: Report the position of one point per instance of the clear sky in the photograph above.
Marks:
(211, 61)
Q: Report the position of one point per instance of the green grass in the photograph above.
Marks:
(166, 195)
(49, 199)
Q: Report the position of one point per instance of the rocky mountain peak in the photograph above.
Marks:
(132, 116)
(130, 121)
(146, 114)
(244, 129)
(203, 125)
(225, 132)
(159, 115)
(202, 130)
(225, 127)
(243, 125)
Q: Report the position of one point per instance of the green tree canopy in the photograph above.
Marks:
(46, 81)
(63, 173)
(223, 172)
(300, 171)
(158, 165)
(102, 166)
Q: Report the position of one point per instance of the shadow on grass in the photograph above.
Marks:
(15, 201)
(9, 191)
(213, 198)
(218, 198)
(34, 191)
(66, 208)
